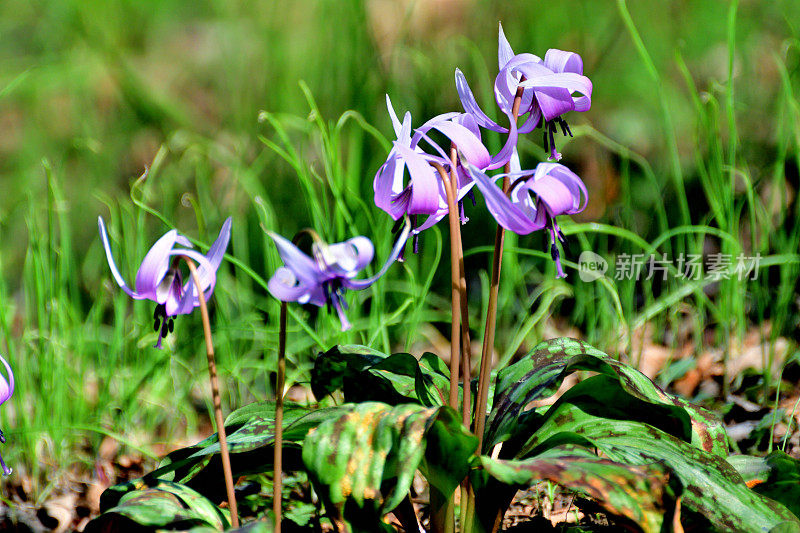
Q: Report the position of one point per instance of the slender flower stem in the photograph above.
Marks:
(466, 347)
(491, 312)
(455, 307)
(443, 506)
(212, 371)
(277, 478)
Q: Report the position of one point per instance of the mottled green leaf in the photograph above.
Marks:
(539, 374)
(368, 455)
(364, 374)
(160, 504)
(712, 487)
(636, 493)
(776, 476)
(250, 436)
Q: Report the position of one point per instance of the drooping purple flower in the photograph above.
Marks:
(423, 193)
(322, 279)
(6, 390)
(535, 201)
(159, 279)
(548, 86)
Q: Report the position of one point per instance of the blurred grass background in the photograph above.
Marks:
(691, 146)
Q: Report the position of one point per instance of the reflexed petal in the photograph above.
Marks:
(386, 179)
(471, 106)
(561, 61)
(215, 253)
(420, 133)
(348, 258)
(393, 116)
(154, 266)
(365, 251)
(432, 220)
(554, 194)
(504, 155)
(468, 121)
(504, 51)
(217, 250)
(424, 190)
(285, 286)
(111, 264)
(571, 82)
(304, 267)
(6, 386)
(6, 470)
(358, 284)
(500, 206)
(507, 82)
(183, 241)
(569, 179)
(467, 142)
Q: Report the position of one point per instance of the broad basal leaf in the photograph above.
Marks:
(712, 487)
(538, 375)
(250, 436)
(369, 454)
(161, 504)
(636, 493)
(364, 374)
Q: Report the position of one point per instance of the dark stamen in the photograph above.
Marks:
(545, 129)
(326, 287)
(564, 127)
(554, 252)
(157, 324)
(551, 132)
(171, 325)
(471, 196)
(415, 241)
(397, 225)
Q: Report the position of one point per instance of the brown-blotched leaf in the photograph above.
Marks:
(635, 493)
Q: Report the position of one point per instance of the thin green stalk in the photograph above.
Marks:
(212, 371)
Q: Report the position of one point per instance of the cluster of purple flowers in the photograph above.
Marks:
(545, 90)
(409, 186)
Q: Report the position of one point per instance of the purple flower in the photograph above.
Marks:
(159, 278)
(424, 193)
(536, 199)
(548, 86)
(322, 279)
(6, 390)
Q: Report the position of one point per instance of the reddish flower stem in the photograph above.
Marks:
(455, 307)
(491, 312)
(217, 401)
(466, 347)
